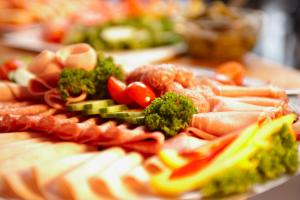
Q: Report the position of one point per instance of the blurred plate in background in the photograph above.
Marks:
(30, 39)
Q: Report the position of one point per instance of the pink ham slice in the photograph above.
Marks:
(49, 124)
(221, 123)
(54, 99)
(71, 131)
(26, 110)
(183, 143)
(41, 84)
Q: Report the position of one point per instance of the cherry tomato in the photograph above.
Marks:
(55, 31)
(223, 79)
(140, 93)
(116, 89)
(234, 70)
(8, 66)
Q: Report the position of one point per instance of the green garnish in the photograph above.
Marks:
(77, 81)
(169, 113)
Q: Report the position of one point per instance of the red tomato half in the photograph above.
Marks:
(140, 93)
(55, 31)
(116, 89)
(8, 66)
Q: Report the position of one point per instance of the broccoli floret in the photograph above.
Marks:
(231, 182)
(170, 113)
(74, 82)
(104, 69)
(279, 156)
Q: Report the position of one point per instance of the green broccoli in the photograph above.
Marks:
(100, 75)
(75, 81)
(170, 113)
(271, 158)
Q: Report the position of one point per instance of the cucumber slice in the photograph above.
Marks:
(95, 104)
(108, 109)
(99, 104)
(135, 120)
(123, 114)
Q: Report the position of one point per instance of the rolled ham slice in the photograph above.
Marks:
(258, 101)
(77, 56)
(54, 99)
(221, 123)
(239, 91)
(41, 63)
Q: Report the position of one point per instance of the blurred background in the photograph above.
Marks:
(279, 37)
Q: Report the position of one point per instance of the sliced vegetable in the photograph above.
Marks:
(123, 114)
(116, 89)
(92, 105)
(106, 109)
(265, 153)
(140, 93)
(134, 120)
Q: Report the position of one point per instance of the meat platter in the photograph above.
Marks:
(75, 126)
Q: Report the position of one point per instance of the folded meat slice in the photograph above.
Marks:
(10, 122)
(26, 110)
(6, 138)
(22, 182)
(224, 105)
(41, 84)
(96, 133)
(136, 139)
(258, 101)
(221, 123)
(240, 91)
(183, 143)
(40, 63)
(108, 184)
(137, 180)
(47, 177)
(14, 104)
(13, 92)
(74, 184)
(53, 98)
(71, 130)
(200, 133)
(18, 147)
(49, 124)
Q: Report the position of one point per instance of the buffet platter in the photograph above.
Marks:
(31, 39)
(58, 142)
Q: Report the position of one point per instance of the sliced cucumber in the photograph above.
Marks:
(134, 120)
(123, 114)
(108, 109)
(99, 104)
(92, 104)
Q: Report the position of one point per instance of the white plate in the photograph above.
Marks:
(31, 39)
